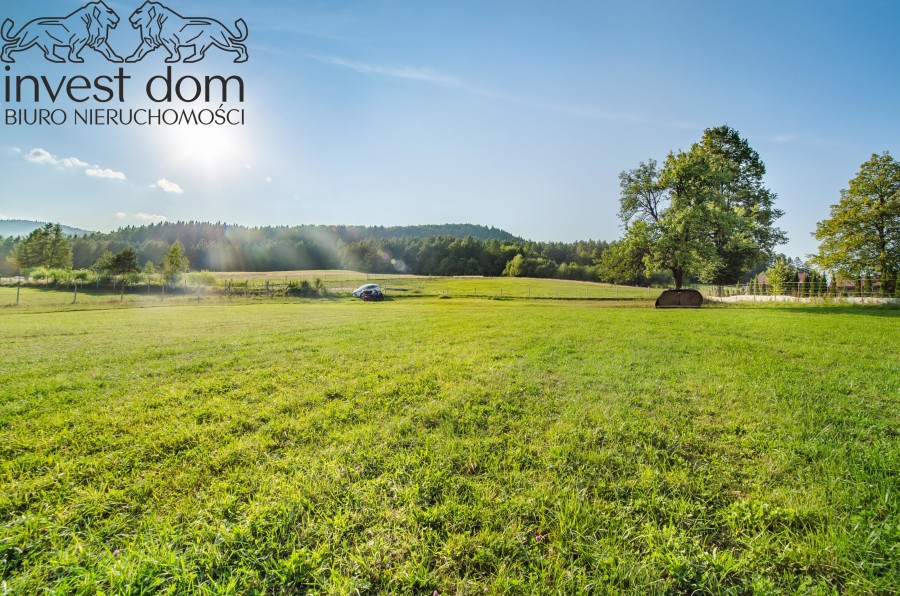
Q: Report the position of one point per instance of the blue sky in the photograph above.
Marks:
(518, 114)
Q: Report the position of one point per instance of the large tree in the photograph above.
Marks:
(862, 236)
(705, 213)
(44, 247)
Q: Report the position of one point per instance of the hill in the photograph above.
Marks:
(23, 227)
(445, 250)
(425, 231)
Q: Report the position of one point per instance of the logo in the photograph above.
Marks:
(86, 27)
(159, 27)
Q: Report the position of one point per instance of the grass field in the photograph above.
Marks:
(339, 284)
(463, 446)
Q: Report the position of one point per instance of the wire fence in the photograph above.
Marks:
(254, 287)
(61, 290)
(815, 289)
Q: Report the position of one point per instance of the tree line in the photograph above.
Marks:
(702, 215)
(223, 247)
(705, 214)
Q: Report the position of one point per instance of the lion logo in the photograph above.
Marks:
(161, 26)
(87, 27)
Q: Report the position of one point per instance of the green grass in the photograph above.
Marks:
(40, 297)
(464, 446)
(342, 282)
(339, 284)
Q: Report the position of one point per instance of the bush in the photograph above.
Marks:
(37, 273)
(779, 274)
(520, 266)
(305, 289)
(577, 272)
(201, 278)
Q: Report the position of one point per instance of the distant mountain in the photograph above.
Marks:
(23, 227)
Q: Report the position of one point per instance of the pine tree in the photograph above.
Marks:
(44, 247)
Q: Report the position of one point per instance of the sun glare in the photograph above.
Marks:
(212, 150)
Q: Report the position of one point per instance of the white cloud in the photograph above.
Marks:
(433, 77)
(782, 138)
(44, 157)
(151, 217)
(121, 215)
(41, 156)
(425, 75)
(73, 162)
(167, 186)
(105, 173)
(268, 179)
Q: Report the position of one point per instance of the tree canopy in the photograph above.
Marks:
(43, 247)
(862, 235)
(173, 264)
(126, 261)
(705, 213)
(221, 247)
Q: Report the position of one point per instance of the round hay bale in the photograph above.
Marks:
(679, 299)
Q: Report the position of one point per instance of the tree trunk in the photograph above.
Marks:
(678, 274)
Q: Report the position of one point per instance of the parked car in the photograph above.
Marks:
(372, 295)
(359, 291)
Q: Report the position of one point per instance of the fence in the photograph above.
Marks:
(805, 290)
(201, 287)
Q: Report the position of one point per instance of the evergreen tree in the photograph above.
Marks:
(124, 262)
(44, 247)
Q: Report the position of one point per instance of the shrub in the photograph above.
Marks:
(305, 289)
(201, 278)
(778, 275)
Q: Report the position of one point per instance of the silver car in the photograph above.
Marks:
(358, 292)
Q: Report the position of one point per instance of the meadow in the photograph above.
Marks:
(451, 446)
(337, 283)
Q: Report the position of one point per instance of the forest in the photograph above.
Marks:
(453, 249)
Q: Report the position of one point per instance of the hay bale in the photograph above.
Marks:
(679, 299)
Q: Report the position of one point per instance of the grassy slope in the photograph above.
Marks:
(461, 445)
